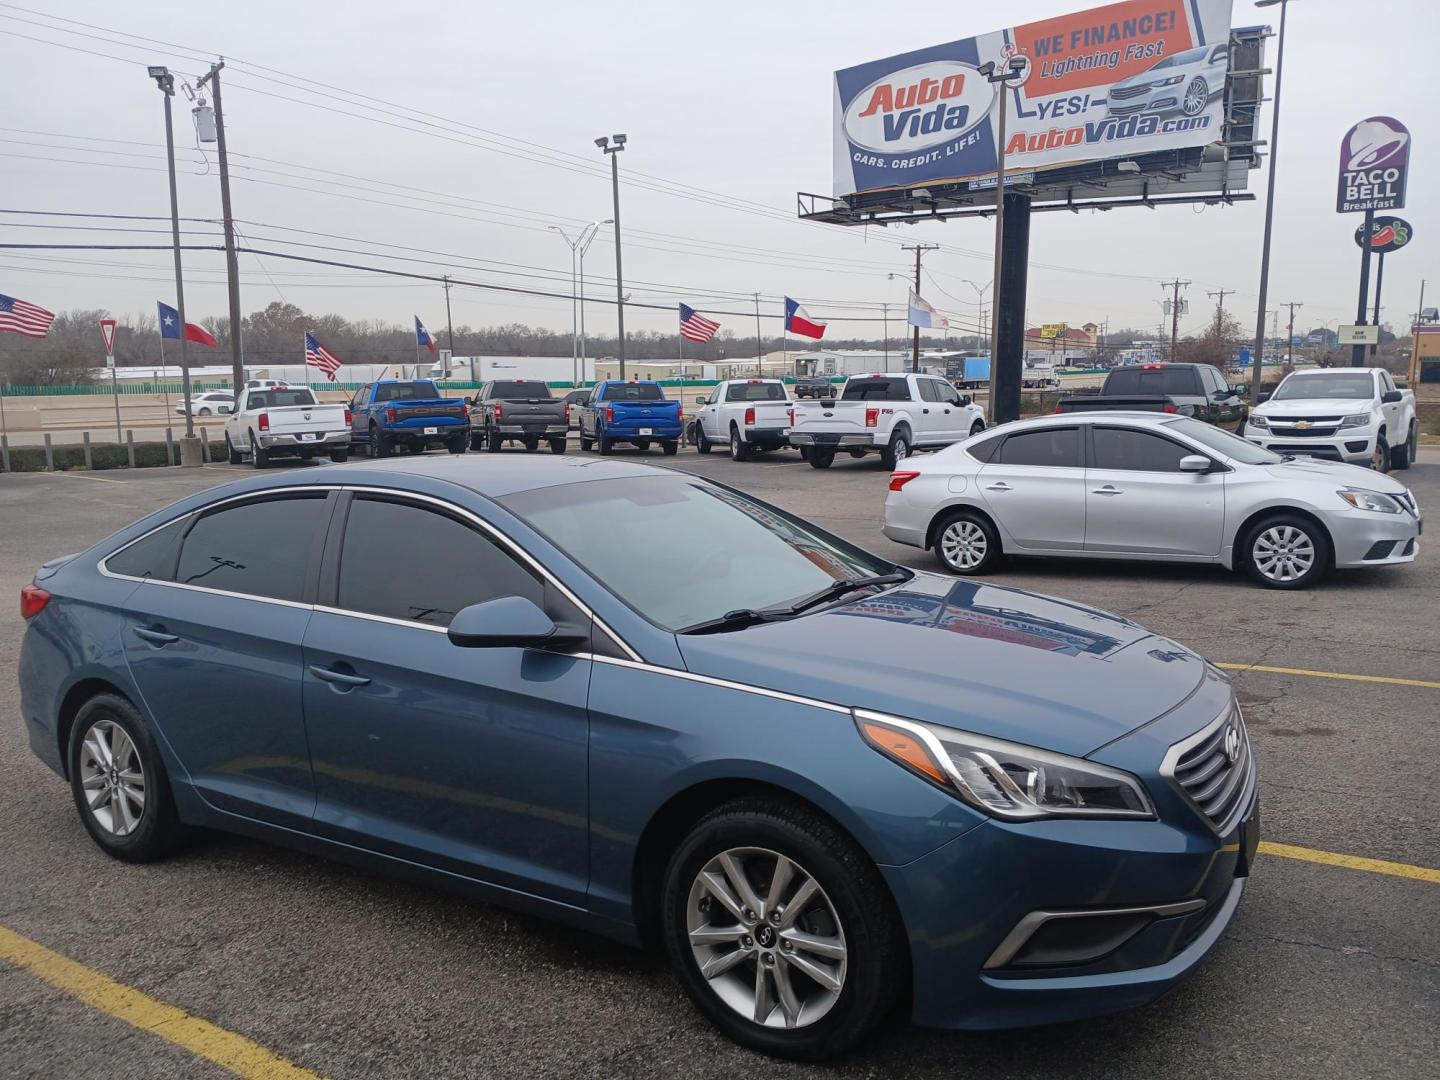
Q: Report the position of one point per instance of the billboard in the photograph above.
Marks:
(1128, 78)
(1374, 161)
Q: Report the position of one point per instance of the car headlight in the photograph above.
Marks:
(1003, 779)
(1258, 421)
(1361, 499)
(1171, 81)
(1358, 420)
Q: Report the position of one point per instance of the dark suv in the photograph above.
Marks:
(814, 386)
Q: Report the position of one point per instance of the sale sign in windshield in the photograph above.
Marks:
(1129, 78)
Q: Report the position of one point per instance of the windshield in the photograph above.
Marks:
(1348, 386)
(755, 392)
(634, 391)
(406, 391)
(1222, 442)
(681, 551)
(519, 388)
(1189, 56)
(279, 399)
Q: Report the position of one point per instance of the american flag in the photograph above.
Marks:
(694, 326)
(24, 317)
(316, 355)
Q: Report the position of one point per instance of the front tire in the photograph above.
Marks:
(586, 444)
(781, 930)
(1380, 456)
(605, 446)
(1197, 96)
(119, 783)
(702, 441)
(234, 455)
(1286, 551)
(205, 412)
(1403, 455)
(965, 543)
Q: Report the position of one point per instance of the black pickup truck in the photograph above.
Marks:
(1197, 390)
(517, 410)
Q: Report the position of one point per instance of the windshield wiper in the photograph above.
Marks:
(848, 585)
(733, 620)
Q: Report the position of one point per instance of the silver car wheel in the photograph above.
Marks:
(112, 777)
(1283, 553)
(1197, 96)
(964, 545)
(766, 938)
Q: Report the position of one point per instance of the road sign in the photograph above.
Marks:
(1387, 234)
(1051, 330)
(107, 331)
(1374, 161)
(1349, 334)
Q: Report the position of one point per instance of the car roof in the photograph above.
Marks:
(1336, 371)
(1141, 419)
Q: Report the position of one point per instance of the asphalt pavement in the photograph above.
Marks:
(1326, 971)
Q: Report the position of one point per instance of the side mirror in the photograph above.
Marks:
(702, 401)
(1241, 389)
(963, 399)
(1391, 396)
(1264, 397)
(1194, 463)
(505, 622)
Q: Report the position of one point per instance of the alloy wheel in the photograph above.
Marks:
(964, 545)
(1197, 95)
(112, 777)
(766, 938)
(1283, 553)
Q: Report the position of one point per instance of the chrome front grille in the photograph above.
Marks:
(1120, 93)
(1215, 769)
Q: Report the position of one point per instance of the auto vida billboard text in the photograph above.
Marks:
(1128, 78)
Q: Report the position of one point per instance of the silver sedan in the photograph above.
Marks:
(1148, 486)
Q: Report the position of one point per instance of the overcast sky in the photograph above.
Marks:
(733, 99)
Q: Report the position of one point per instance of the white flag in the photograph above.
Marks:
(923, 315)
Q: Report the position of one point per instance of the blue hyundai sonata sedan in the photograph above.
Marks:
(650, 705)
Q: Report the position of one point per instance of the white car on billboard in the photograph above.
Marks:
(1183, 82)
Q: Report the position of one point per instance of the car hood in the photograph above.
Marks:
(1314, 407)
(970, 655)
(1335, 472)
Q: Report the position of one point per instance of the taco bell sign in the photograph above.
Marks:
(1374, 160)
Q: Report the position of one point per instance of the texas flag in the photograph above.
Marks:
(170, 327)
(798, 321)
(423, 336)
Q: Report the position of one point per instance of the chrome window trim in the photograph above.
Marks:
(1029, 924)
(690, 676)
(1185, 745)
(350, 613)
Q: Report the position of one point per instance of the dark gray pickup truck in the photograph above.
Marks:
(517, 410)
(1197, 390)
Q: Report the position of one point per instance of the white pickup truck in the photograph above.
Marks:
(1356, 415)
(284, 421)
(892, 413)
(745, 414)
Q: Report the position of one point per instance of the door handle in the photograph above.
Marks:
(1106, 490)
(341, 678)
(925, 411)
(158, 638)
(1001, 486)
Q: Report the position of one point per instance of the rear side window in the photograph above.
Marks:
(519, 388)
(634, 392)
(1136, 451)
(151, 556)
(755, 392)
(406, 562)
(1152, 381)
(1052, 447)
(876, 390)
(259, 548)
(985, 449)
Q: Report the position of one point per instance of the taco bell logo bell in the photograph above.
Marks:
(1374, 161)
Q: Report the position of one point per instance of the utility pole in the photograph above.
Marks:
(232, 263)
(1414, 339)
(759, 345)
(1219, 297)
(1290, 344)
(1175, 286)
(450, 329)
(919, 250)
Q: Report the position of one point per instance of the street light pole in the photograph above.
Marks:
(587, 237)
(574, 246)
(189, 444)
(612, 146)
(1258, 359)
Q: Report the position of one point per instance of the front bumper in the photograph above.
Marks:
(827, 441)
(1353, 445)
(297, 441)
(1365, 538)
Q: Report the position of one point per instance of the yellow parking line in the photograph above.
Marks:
(200, 1037)
(1388, 679)
(1351, 862)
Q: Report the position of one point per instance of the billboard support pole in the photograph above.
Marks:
(1357, 352)
(1379, 284)
(1008, 345)
(1257, 361)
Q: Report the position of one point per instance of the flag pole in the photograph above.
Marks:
(682, 348)
(165, 376)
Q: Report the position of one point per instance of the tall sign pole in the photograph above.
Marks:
(1374, 167)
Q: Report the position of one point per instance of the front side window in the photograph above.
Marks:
(1047, 447)
(407, 562)
(259, 548)
(928, 390)
(1136, 451)
(737, 553)
(359, 398)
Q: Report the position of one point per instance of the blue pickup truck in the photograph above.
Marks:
(392, 413)
(633, 412)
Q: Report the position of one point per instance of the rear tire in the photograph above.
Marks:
(492, 442)
(739, 448)
(259, 456)
(643, 445)
(1286, 551)
(378, 446)
(134, 819)
(531, 443)
(670, 447)
(557, 446)
(1402, 455)
(339, 457)
(850, 912)
(457, 444)
(856, 453)
(821, 459)
(965, 543)
(605, 446)
(898, 450)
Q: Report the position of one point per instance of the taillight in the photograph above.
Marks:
(609, 414)
(390, 415)
(264, 421)
(872, 417)
(1170, 408)
(1058, 410)
(792, 416)
(899, 479)
(349, 417)
(499, 410)
(567, 414)
(32, 601)
(750, 416)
